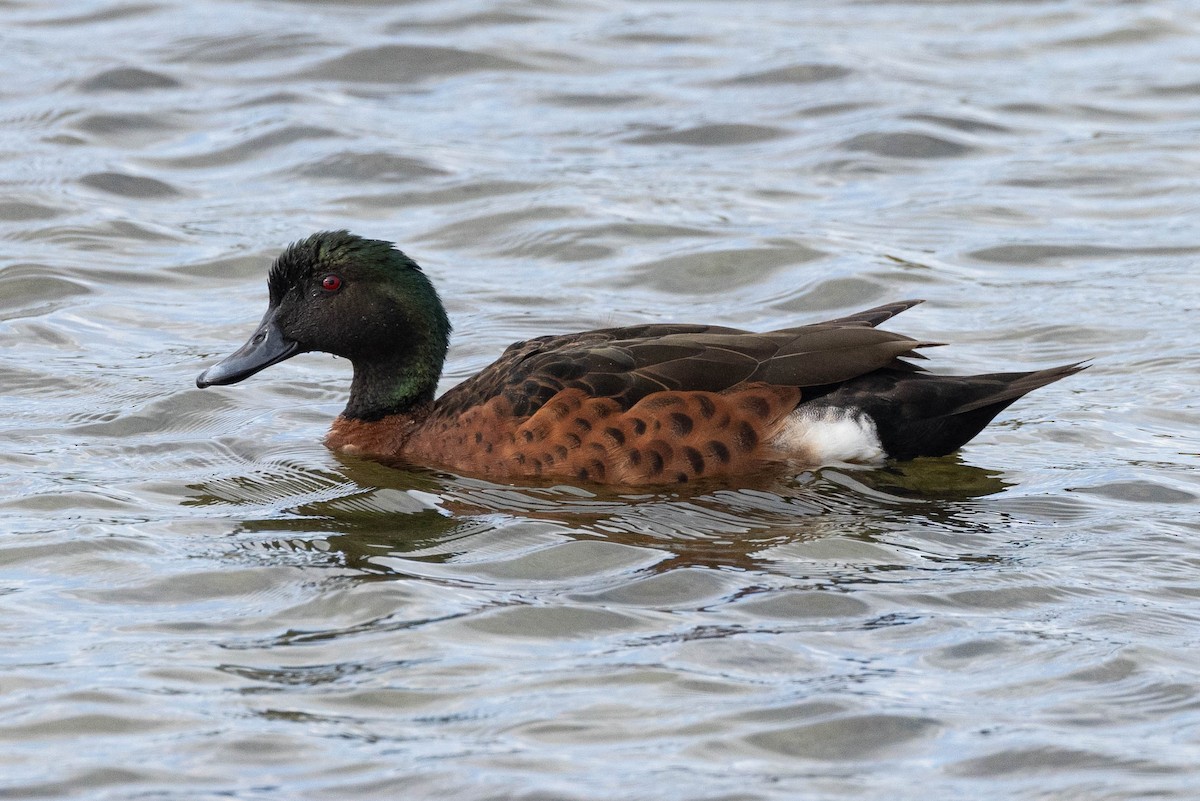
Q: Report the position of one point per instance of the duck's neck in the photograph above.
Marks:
(389, 400)
(385, 387)
(398, 362)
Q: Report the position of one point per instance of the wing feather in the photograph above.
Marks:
(626, 364)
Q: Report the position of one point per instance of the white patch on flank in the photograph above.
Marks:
(829, 436)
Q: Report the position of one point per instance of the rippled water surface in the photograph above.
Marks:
(198, 601)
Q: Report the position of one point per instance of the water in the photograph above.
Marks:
(197, 600)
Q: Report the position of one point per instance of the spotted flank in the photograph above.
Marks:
(636, 405)
(668, 436)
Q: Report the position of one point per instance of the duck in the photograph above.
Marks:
(639, 405)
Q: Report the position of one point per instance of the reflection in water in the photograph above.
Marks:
(366, 511)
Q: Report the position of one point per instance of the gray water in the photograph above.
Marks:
(198, 601)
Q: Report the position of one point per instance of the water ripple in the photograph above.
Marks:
(198, 595)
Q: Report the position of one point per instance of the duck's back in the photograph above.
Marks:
(652, 403)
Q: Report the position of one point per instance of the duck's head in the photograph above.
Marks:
(361, 299)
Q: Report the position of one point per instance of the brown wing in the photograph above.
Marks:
(627, 364)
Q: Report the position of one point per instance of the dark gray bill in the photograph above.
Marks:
(268, 346)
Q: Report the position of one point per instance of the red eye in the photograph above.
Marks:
(331, 283)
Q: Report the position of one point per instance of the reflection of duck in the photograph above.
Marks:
(645, 404)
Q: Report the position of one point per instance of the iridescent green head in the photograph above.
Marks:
(361, 299)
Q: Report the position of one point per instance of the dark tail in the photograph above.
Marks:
(919, 414)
